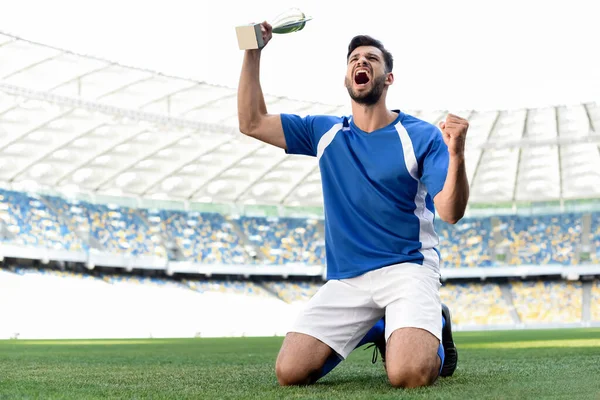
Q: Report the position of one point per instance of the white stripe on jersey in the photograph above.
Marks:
(326, 139)
(427, 235)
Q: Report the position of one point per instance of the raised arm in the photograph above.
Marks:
(254, 120)
(451, 202)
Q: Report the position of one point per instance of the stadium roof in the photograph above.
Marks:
(79, 123)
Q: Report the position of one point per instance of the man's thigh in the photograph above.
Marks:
(333, 322)
(410, 294)
(412, 358)
(413, 312)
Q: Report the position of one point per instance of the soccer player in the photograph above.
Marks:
(382, 172)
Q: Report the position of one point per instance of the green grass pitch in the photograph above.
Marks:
(558, 364)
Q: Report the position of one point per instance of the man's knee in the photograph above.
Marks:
(288, 374)
(411, 375)
(300, 359)
(411, 358)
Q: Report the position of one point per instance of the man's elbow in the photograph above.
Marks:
(452, 218)
(245, 127)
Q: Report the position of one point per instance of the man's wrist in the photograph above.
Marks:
(457, 156)
(253, 53)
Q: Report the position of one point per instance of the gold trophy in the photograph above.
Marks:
(250, 36)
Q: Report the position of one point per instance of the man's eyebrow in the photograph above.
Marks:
(366, 54)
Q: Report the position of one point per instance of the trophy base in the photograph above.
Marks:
(249, 37)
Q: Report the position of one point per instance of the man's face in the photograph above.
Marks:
(366, 77)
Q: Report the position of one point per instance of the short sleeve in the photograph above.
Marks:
(435, 164)
(299, 134)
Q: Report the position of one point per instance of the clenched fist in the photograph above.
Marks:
(267, 32)
(454, 131)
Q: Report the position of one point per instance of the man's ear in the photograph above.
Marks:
(389, 79)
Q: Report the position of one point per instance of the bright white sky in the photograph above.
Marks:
(448, 54)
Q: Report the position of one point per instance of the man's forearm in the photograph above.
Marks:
(451, 202)
(251, 101)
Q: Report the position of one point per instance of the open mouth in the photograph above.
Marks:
(361, 77)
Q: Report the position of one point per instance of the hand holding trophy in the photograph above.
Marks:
(256, 36)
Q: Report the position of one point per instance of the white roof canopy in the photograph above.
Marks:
(75, 122)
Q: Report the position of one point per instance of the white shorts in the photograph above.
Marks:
(341, 313)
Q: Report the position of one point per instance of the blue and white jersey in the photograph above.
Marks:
(377, 189)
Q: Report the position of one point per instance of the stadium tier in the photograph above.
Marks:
(466, 244)
(209, 238)
(201, 237)
(477, 304)
(548, 239)
(29, 222)
(286, 240)
(548, 301)
(292, 292)
(113, 305)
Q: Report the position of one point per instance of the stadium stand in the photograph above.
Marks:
(74, 214)
(547, 239)
(466, 244)
(211, 238)
(121, 230)
(232, 287)
(31, 223)
(558, 302)
(203, 237)
(286, 240)
(95, 128)
(50, 303)
(476, 304)
(292, 292)
(116, 229)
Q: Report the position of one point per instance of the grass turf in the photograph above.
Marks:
(500, 365)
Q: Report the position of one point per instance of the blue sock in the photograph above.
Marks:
(441, 353)
(377, 330)
(330, 364)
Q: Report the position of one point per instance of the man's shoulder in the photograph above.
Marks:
(423, 134)
(320, 124)
(326, 122)
(317, 124)
(418, 125)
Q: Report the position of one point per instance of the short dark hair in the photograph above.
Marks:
(365, 40)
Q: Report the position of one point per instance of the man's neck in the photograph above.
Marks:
(372, 118)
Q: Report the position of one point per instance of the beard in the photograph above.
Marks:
(372, 96)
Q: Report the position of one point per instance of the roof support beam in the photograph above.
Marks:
(259, 177)
(62, 144)
(39, 125)
(153, 151)
(29, 66)
(102, 151)
(181, 165)
(297, 184)
(516, 182)
(489, 132)
(221, 171)
(132, 114)
(167, 96)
